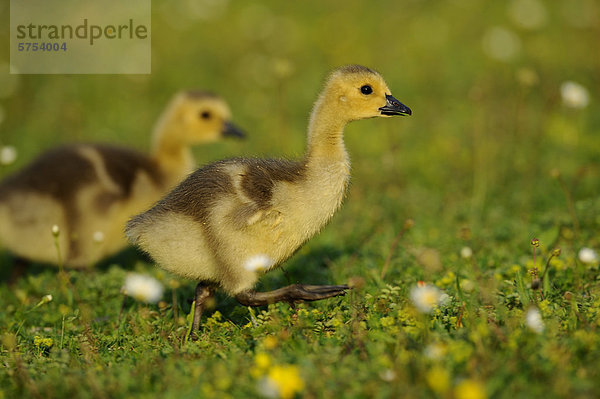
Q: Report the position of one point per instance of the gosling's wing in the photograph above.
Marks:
(255, 184)
(245, 215)
(119, 171)
(238, 191)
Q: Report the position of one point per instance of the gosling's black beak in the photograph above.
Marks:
(394, 107)
(231, 130)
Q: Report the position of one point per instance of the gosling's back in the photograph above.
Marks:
(228, 212)
(69, 187)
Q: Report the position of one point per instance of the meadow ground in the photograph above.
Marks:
(494, 156)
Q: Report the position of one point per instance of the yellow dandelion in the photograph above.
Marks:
(286, 380)
(438, 379)
(262, 361)
(469, 389)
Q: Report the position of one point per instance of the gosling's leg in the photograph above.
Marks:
(203, 292)
(291, 293)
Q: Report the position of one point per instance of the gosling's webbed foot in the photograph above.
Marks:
(291, 293)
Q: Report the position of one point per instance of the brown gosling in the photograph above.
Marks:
(90, 190)
(230, 218)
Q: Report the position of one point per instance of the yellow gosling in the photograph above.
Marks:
(230, 221)
(90, 190)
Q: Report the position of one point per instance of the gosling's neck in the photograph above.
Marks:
(327, 164)
(326, 135)
(172, 155)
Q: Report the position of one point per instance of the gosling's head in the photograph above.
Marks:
(199, 117)
(358, 92)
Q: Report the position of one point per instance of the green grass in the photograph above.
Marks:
(473, 167)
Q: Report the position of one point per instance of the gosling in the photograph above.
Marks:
(90, 190)
(230, 221)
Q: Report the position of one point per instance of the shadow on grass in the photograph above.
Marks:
(307, 267)
(12, 267)
(310, 268)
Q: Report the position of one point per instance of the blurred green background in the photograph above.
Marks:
(498, 151)
(483, 79)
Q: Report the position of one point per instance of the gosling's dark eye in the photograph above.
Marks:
(366, 89)
(205, 115)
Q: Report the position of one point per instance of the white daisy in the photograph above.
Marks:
(574, 95)
(501, 43)
(466, 252)
(528, 14)
(143, 288)
(533, 320)
(98, 236)
(258, 263)
(8, 155)
(425, 297)
(587, 255)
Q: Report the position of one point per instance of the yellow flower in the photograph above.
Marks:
(262, 361)
(286, 380)
(387, 321)
(469, 389)
(270, 342)
(438, 379)
(43, 343)
(448, 279)
(214, 319)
